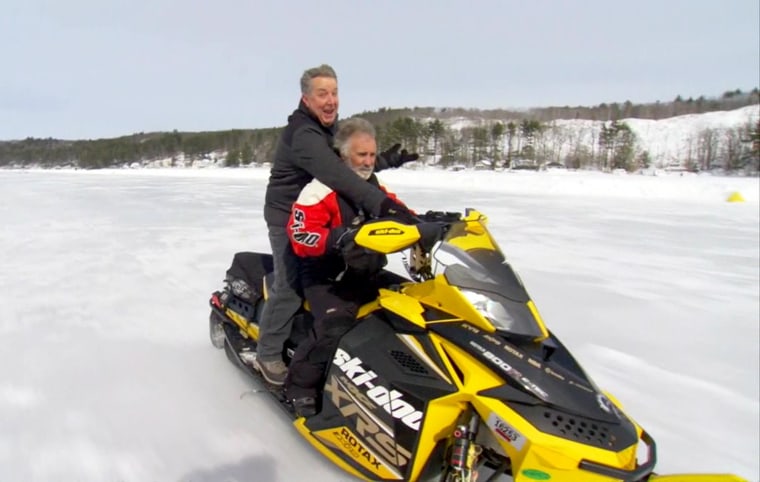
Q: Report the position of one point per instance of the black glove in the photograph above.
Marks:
(445, 216)
(360, 260)
(397, 211)
(340, 237)
(430, 233)
(394, 158)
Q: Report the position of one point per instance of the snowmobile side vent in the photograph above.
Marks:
(582, 430)
(578, 428)
(241, 307)
(408, 363)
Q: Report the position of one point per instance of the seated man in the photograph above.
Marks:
(336, 279)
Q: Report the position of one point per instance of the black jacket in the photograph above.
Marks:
(304, 152)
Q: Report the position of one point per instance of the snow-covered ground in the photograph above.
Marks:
(106, 372)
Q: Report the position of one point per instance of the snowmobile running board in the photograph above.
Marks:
(233, 354)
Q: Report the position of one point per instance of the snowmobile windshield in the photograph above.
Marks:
(470, 260)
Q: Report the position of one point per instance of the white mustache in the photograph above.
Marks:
(364, 172)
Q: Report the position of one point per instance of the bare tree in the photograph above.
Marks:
(707, 148)
(511, 131)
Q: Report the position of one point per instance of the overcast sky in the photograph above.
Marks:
(89, 69)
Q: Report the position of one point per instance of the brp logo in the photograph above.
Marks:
(606, 405)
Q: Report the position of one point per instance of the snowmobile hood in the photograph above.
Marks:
(555, 395)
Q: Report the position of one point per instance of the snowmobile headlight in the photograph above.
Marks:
(491, 309)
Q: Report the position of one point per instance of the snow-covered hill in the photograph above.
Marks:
(669, 142)
(700, 139)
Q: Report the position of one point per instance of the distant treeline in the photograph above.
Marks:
(502, 138)
(730, 100)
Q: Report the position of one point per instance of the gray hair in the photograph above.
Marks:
(349, 127)
(323, 70)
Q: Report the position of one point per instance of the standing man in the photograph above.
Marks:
(337, 275)
(305, 152)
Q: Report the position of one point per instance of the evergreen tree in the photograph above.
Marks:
(437, 129)
(617, 143)
(497, 134)
(529, 130)
(233, 158)
(644, 160)
(246, 154)
(511, 131)
(480, 142)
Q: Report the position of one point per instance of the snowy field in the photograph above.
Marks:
(107, 375)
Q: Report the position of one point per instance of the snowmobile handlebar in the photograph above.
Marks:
(441, 216)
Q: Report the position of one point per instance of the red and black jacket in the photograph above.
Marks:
(316, 214)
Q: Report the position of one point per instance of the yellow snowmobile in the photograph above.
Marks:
(450, 375)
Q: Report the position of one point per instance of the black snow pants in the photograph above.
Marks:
(334, 306)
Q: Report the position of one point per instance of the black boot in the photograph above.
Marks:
(303, 400)
(304, 406)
